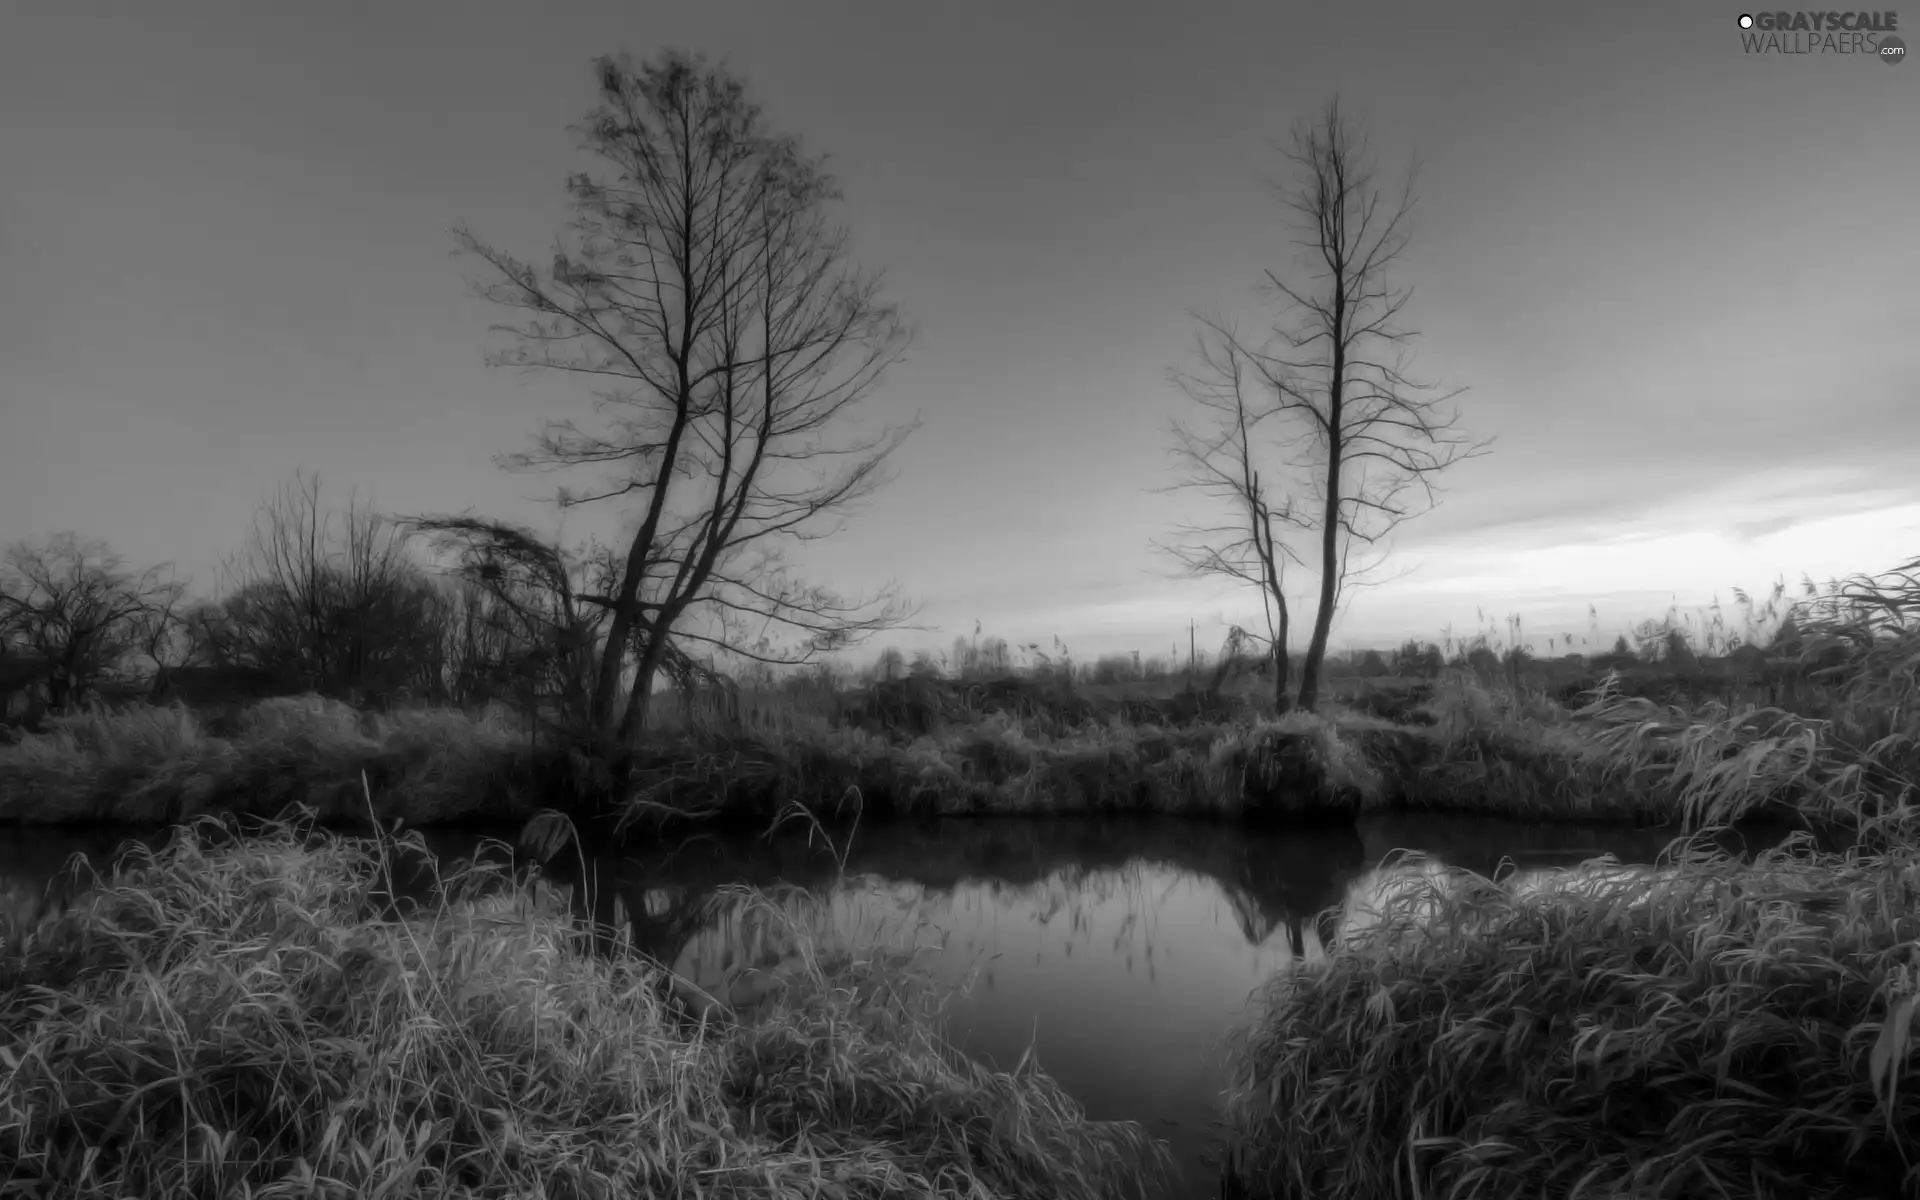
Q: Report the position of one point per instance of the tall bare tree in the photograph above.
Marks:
(75, 608)
(704, 293)
(1219, 457)
(1374, 441)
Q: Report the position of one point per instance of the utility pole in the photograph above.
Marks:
(1191, 654)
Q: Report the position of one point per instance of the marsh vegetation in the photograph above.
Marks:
(255, 1014)
(1536, 1028)
(696, 966)
(1645, 1033)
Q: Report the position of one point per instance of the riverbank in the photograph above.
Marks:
(248, 1013)
(1739, 1030)
(1466, 749)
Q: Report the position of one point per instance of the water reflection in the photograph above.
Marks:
(1119, 951)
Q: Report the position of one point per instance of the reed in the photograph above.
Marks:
(1722, 1028)
(1473, 745)
(155, 766)
(256, 1014)
(1856, 764)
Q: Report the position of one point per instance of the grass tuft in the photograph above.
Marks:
(1714, 1028)
(254, 1015)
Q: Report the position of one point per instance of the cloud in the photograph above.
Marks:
(1751, 530)
(1578, 509)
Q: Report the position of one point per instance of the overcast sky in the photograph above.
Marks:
(1678, 281)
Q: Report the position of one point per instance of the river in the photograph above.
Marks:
(1118, 950)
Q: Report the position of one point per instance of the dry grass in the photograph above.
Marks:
(1502, 751)
(1719, 1029)
(1858, 764)
(1021, 749)
(154, 766)
(1297, 766)
(244, 1015)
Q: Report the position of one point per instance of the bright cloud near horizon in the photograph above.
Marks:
(1680, 282)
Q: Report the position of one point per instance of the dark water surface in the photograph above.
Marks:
(1118, 950)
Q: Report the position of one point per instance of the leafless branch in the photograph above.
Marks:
(1220, 460)
(702, 292)
(73, 607)
(1335, 373)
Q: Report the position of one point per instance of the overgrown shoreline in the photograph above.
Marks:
(1741, 1029)
(248, 1012)
(1471, 750)
(1745, 1031)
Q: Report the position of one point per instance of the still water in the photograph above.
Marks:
(1118, 951)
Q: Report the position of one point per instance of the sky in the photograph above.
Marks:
(1680, 282)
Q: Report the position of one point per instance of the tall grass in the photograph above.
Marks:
(1711, 1028)
(1482, 744)
(250, 1015)
(1738, 1030)
(155, 766)
(1857, 762)
(1483, 750)
(1483, 747)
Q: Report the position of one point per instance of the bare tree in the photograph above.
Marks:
(75, 607)
(1219, 458)
(483, 650)
(705, 295)
(1375, 443)
(521, 621)
(329, 599)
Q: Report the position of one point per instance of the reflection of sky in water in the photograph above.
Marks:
(1123, 980)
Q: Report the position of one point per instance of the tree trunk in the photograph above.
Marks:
(607, 682)
(61, 686)
(1270, 565)
(1281, 667)
(1322, 622)
(640, 699)
(1330, 532)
